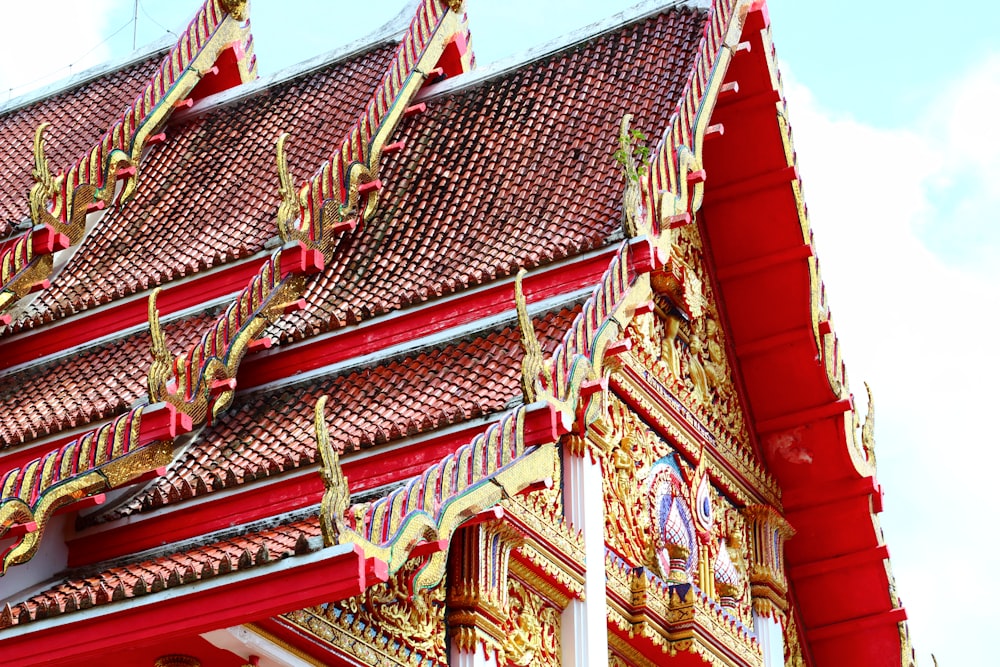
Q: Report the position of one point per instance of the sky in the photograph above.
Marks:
(893, 107)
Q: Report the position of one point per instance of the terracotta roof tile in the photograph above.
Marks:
(174, 570)
(268, 433)
(515, 172)
(94, 384)
(209, 194)
(78, 116)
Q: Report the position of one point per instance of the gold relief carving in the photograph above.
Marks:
(477, 593)
(532, 629)
(768, 531)
(389, 624)
(632, 448)
(540, 570)
(793, 644)
(673, 618)
(688, 434)
(336, 494)
(177, 661)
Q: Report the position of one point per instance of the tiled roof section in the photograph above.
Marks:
(273, 432)
(211, 191)
(79, 117)
(517, 171)
(152, 575)
(91, 385)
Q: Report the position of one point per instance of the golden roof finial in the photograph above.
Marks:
(45, 184)
(868, 429)
(337, 495)
(162, 366)
(288, 209)
(533, 364)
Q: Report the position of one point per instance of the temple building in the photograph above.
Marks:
(390, 359)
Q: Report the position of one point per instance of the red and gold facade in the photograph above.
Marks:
(327, 424)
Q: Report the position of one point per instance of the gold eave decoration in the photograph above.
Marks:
(500, 463)
(64, 208)
(652, 622)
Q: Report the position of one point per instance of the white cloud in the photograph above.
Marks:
(36, 45)
(904, 222)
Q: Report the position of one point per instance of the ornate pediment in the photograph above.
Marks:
(682, 341)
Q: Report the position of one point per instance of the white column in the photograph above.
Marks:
(478, 658)
(772, 644)
(585, 623)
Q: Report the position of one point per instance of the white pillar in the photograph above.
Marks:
(478, 658)
(585, 623)
(772, 645)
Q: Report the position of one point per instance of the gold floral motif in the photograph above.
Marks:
(389, 624)
(532, 629)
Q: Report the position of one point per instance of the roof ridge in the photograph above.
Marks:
(557, 45)
(390, 32)
(73, 81)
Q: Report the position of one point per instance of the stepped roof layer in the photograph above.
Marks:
(79, 116)
(210, 191)
(269, 433)
(405, 321)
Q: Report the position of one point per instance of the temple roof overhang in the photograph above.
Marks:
(761, 246)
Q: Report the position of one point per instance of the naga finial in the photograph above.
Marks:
(288, 209)
(45, 184)
(162, 366)
(337, 494)
(868, 429)
(533, 364)
(235, 8)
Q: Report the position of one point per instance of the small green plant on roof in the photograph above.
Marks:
(633, 157)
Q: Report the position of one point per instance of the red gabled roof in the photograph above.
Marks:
(269, 433)
(210, 192)
(514, 171)
(86, 387)
(79, 116)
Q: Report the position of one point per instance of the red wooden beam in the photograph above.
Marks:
(806, 416)
(262, 591)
